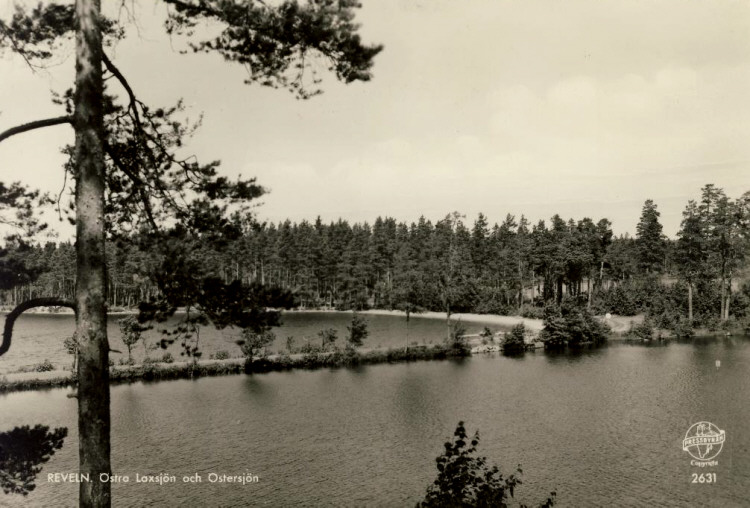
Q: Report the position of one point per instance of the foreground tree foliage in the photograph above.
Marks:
(466, 480)
(129, 177)
(23, 450)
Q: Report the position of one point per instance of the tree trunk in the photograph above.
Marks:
(729, 297)
(91, 326)
(690, 301)
(722, 281)
(408, 315)
(520, 283)
(448, 318)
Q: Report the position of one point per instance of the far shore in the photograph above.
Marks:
(620, 326)
(487, 319)
(491, 319)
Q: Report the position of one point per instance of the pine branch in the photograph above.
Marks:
(49, 122)
(16, 48)
(10, 319)
(124, 82)
(138, 183)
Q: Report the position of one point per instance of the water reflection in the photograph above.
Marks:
(592, 424)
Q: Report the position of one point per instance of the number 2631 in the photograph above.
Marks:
(704, 478)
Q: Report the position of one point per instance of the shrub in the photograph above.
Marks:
(71, 347)
(457, 339)
(312, 360)
(221, 355)
(532, 311)
(290, 344)
(131, 331)
(308, 348)
(666, 320)
(125, 361)
(621, 299)
(514, 342)
(284, 361)
(167, 358)
(350, 357)
(642, 330)
(729, 324)
(713, 323)
(253, 342)
(683, 329)
(457, 330)
(327, 337)
(467, 480)
(486, 333)
(357, 331)
(45, 366)
(148, 369)
(573, 325)
(262, 364)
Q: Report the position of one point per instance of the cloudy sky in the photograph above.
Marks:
(582, 108)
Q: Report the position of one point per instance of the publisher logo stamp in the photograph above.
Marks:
(703, 441)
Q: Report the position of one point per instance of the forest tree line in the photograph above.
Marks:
(513, 267)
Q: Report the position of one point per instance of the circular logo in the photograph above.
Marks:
(703, 441)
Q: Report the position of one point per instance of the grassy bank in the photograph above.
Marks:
(205, 368)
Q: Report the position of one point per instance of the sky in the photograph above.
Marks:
(580, 108)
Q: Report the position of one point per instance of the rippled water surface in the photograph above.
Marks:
(38, 337)
(603, 427)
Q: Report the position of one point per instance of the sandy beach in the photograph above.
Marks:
(489, 319)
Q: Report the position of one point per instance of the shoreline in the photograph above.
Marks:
(619, 325)
(488, 319)
(161, 371)
(164, 371)
(155, 371)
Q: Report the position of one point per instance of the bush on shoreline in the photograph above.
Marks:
(642, 331)
(45, 366)
(514, 341)
(571, 324)
(154, 370)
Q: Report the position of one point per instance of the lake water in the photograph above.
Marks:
(602, 427)
(38, 337)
